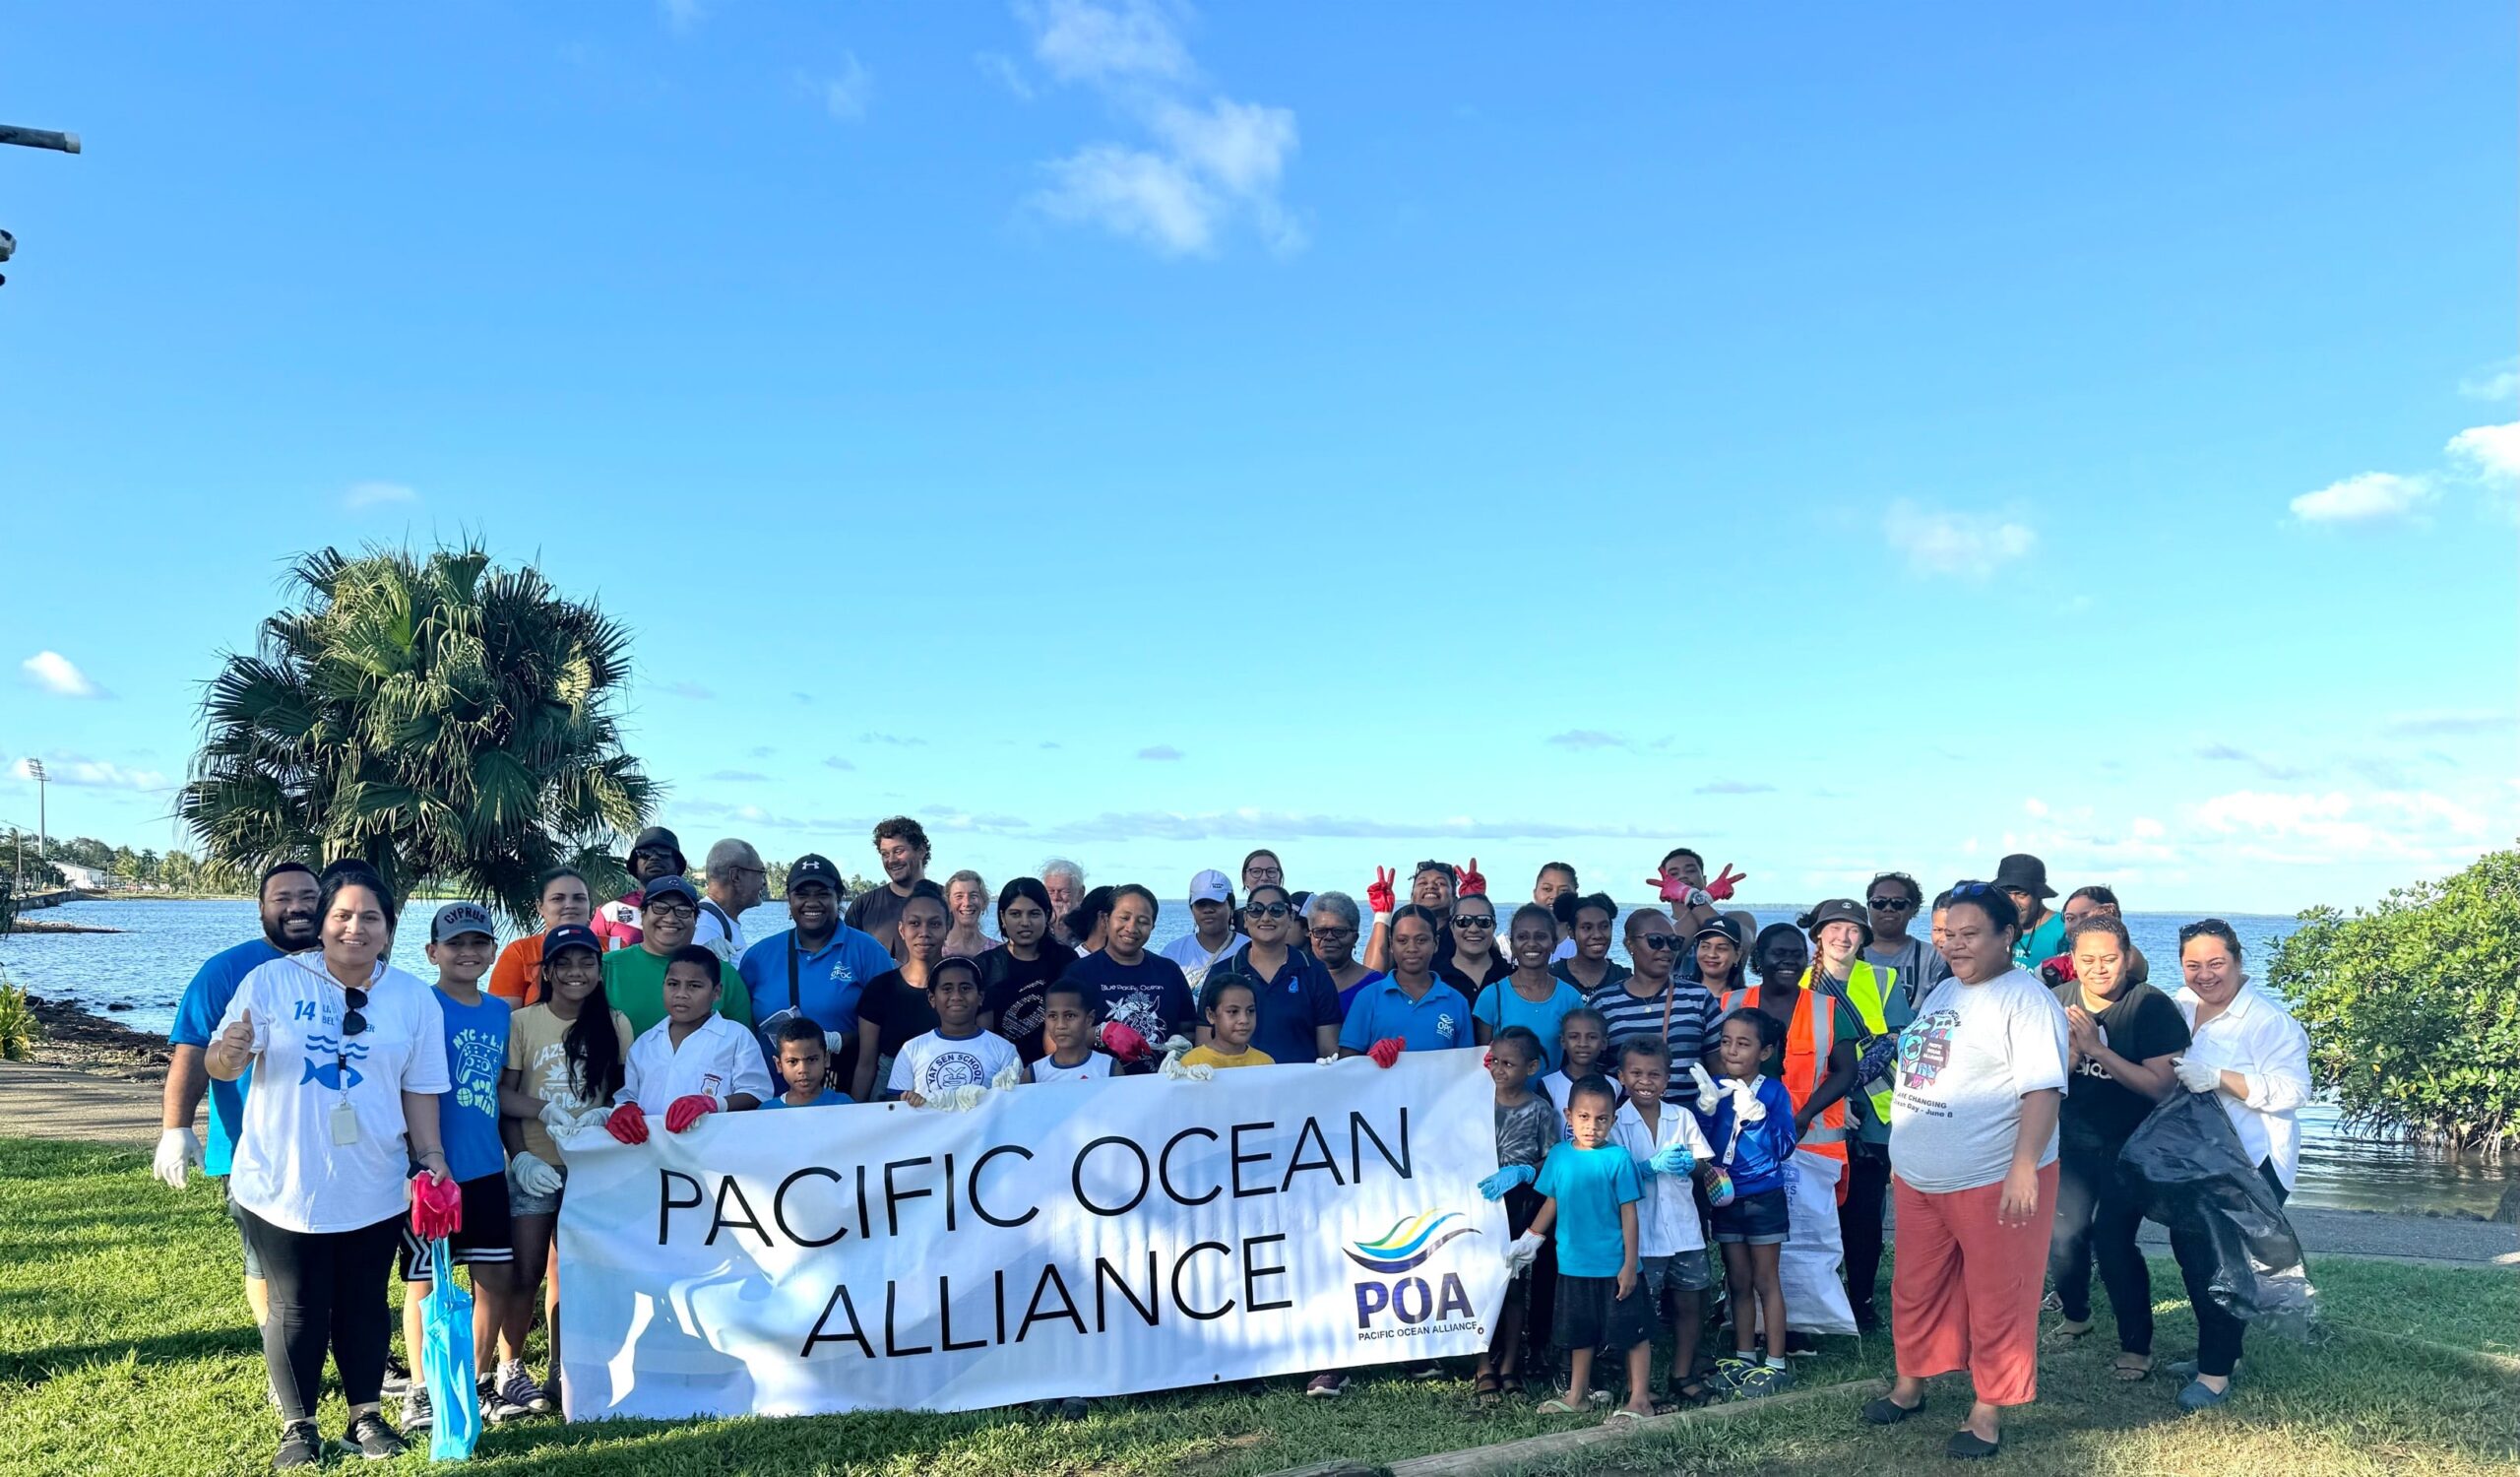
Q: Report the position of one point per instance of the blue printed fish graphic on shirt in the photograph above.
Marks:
(338, 1074)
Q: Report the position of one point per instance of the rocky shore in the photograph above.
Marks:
(97, 1045)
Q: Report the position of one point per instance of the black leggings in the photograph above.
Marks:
(328, 1291)
(2218, 1333)
(2097, 1221)
(1860, 1220)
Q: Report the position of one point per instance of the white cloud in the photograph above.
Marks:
(377, 494)
(2490, 453)
(1079, 42)
(1002, 66)
(2447, 722)
(2417, 825)
(2036, 808)
(845, 95)
(94, 774)
(59, 676)
(1162, 752)
(683, 15)
(2499, 382)
(1586, 738)
(1130, 193)
(1967, 545)
(2364, 497)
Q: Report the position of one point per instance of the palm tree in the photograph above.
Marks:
(450, 723)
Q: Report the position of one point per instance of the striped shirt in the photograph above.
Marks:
(1629, 1016)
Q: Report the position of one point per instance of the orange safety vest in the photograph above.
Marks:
(1809, 1040)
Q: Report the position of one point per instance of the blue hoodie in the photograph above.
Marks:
(1763, 1156)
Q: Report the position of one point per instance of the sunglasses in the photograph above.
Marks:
(1333, 930)
(1266, 910)
(354, 1022)
(1473, 919)
(1660, 943)
(1890, 904)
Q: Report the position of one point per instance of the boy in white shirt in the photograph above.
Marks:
(958, 1053)
(1667, 1146)
(1067, 1029)
(693, 1062)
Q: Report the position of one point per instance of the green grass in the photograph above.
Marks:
(124, 1349)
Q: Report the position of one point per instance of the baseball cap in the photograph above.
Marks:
(666, 887)
(570, 937)
(811, 868)
(1210, 886)
(1729, 928)
(462, 917)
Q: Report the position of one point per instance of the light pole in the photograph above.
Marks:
(34, 772)
(31, 138)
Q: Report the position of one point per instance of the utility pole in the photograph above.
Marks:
(43, 833)
(31, 138)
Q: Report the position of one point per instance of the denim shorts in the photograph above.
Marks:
(1682, 1272)
(1761, 1219)
(520, 1203)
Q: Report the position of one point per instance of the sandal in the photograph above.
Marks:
(1622, 1414)
(1688, 1394)
(2072, 1331)
(1487, 1390)
(1557, 1407)
(2128, 1374)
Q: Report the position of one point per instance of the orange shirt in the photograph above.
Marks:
(517, 976)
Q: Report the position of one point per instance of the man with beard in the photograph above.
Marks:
(288, 898)
(901, 845)
(815, 969)
(658, 852)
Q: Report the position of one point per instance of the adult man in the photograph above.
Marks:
(816, 970)
(2023, 877)
(1655, 1001)
(656, 853)
(734, 880)
(634, 977)
(1892, 903)
(1064, 881)
(1212, 936)
(1432, 886)
(901, 845)
(1555, 880)
(287, 904)
(1682, 882)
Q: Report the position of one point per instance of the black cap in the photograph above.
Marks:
(669, 886)
(2025, 871)
(1719, 924)
(811, 868)
(660, 836)
(1837, 909)
(569, 936)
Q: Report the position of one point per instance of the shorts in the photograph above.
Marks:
(1760, 1220)
(1591, 1314)
(521, 1202)
(485, 1237)
(237, 1215)
(1682, 1271)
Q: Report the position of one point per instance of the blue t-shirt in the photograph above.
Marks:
(1589, 1187)
(196, 1023)
(831, 1097)
(1292, 1004)
(1435, 1020)
(825, 982)
(1500, 1005)
(1761, 1158)
(1347, 997)
(467, 1114)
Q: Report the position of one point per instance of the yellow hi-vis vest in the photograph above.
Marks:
(1866, 987)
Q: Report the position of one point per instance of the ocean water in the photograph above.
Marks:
(143, 969)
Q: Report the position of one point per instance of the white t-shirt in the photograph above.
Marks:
(1559, 1086)
(1666, 1221)
(717, 1060)
(1196, 961)
(288, 1169)
(932, 1064)
(723, 940)
(1964, 1063)
(1096, 1066)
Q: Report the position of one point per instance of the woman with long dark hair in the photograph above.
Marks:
(1014, 976)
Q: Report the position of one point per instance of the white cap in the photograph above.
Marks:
(1210, 886)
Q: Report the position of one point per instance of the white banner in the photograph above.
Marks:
(1069, 1239)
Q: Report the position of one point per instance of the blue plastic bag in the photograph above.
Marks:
(447, 1362)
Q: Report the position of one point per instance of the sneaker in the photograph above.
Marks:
(2054, 1302)
(398, 1379)
(1326, 1386)
(1867, 1319)
(418, 1417)
(552, 1387)
(1432, 1369)
(518, 1392)
(1730, 1371)
(1073, 1408)
(371, 1438)
(2195, 1397)
(2185, 1369)
(494, 1405)
(1762, 1380)
(1799, 1345)
(301, 1445)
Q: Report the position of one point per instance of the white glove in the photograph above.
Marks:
(2197, 1076)
(1708, 1095)
(1174, 1068)
(959, 1100)
(557, 1116)
(1009, 1077)
(1518, 1257)
(1175, 1046)
(835, 1041)
(1333, 1059)
(533, 1176)
(1746, 1107)
(176, 1148)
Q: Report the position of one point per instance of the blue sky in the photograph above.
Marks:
(1851, 438)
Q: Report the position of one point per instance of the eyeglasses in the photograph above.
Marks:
(1266, 910)
(1473, 919)
(1660, 943)
(673, 910)
(1891, 904)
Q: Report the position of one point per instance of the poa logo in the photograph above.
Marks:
(1395, 1303)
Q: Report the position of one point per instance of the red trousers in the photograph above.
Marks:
(1964, 1291)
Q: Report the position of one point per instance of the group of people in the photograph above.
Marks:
(1778, 1093)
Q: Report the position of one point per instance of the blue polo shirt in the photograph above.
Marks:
(1292, 1002)
(1436, 1020)
(823, 986)
(197, 1022)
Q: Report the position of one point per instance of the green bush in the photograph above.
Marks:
(18, 1027)
(2414, 1007)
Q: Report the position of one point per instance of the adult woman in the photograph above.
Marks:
(2084, 904)
(1973, 1141)
(1723, 965)
(2122, 1035)
(350, 1054)
(1260, 868)
(1299, 1006)
(1144, 991)
(894, 1008)
(1477, 961)
(1530, 995)
(2256, 1061)
(1588, 921)
(1089, 922)
(1013, 976)
(967, 898)
(1878, 997)
(563, 897)
(564, 1063)
(1412, 1005)
(1333, 925)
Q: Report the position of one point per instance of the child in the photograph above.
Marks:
(958, 1053)
(804, 1062)
(1526, 1128)
(1751, 1121)
(694, 1062)
(1665, 1142)
(462, 944)
(1068, 1017)
(1232, 1008)
(1582, 1038)
(1589, 1194)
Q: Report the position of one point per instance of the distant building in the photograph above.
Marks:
(85, 878)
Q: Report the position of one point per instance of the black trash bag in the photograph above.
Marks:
(2185, 1162)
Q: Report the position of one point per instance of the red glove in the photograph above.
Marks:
(1386, 1051)
(1672, 889)
(627, 1124)
(437, 1206)
(1378, 897)
(683, 1111)
(2058, 971)
(1721, 889)
(1472, 883)
(1124, 1041)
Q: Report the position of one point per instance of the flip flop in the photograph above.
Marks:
(1622, 1414)
(1557, 1407)
(2129, 1373)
